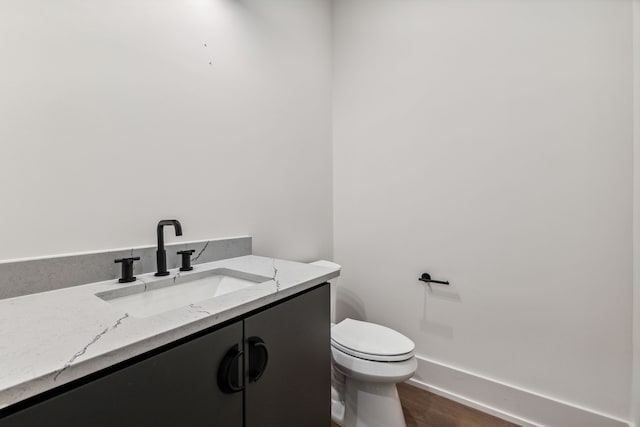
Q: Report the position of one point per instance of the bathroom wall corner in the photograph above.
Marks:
(635, 396)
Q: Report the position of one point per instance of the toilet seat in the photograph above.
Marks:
(370, 341)
(371, 357)
(372, 371)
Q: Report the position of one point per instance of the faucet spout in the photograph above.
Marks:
(161, 254)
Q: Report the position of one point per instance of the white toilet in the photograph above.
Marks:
(368, 361)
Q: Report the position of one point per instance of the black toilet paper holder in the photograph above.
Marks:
(426, 277)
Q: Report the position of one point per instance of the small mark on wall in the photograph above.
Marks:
(210, 61)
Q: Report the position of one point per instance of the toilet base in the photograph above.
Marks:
(368, 404)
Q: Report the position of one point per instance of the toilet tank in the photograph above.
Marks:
(332, 283)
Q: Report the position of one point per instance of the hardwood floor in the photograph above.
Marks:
(424, 409)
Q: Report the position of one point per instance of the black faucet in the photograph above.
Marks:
(161, 254)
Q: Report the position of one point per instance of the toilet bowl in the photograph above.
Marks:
(368, 361)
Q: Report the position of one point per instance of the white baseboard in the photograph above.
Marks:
(522, 407)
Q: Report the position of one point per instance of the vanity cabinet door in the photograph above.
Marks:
(288, 363)
(178, 387)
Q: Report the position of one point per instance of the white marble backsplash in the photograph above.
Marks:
(24, 277)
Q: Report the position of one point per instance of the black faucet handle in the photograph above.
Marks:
(127, 269)
(186, 259)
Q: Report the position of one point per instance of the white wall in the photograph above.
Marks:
(111, 118)
(487, 142)
(635, 407)
(490, 143)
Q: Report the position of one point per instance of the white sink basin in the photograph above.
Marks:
(148, 299)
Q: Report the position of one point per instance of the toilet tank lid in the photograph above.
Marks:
(323, 263)
(370, 338)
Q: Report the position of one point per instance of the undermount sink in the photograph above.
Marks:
(144, 299)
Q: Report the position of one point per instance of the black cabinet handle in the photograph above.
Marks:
(258, 358)
(228, 374)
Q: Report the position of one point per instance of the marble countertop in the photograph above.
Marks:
(51, 338)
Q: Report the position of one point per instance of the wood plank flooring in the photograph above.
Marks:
(424, 409)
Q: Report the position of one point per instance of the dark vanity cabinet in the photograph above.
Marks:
(172, 388)
(271, 367)
(294, 389)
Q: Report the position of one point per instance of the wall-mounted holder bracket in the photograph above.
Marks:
(426, 277)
